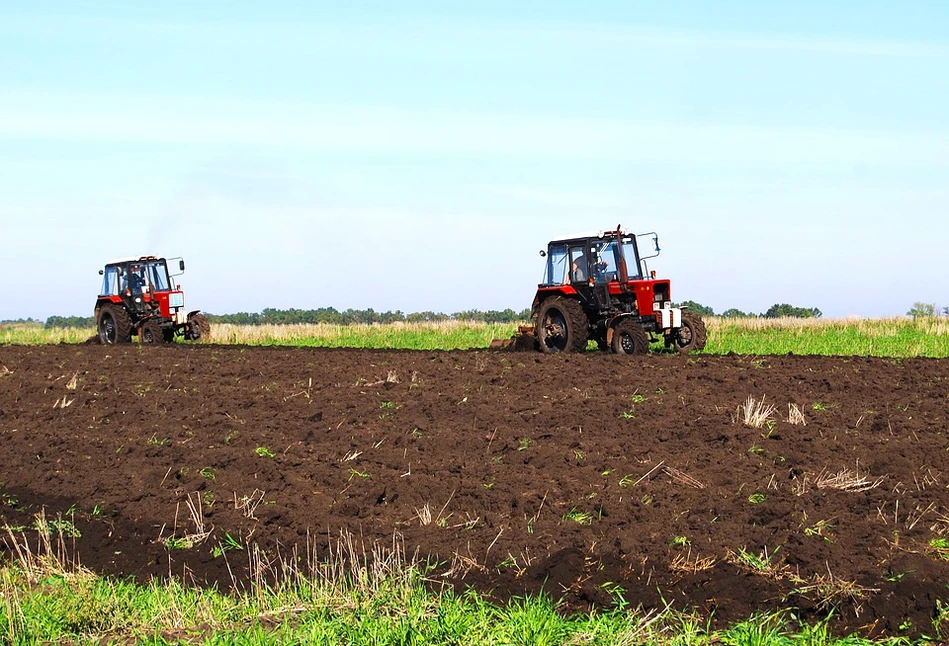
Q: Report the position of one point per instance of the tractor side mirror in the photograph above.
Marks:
(101, 271)
(655, 240)
(181, 265)
(543, 254)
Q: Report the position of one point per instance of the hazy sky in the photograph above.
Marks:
(417, 155)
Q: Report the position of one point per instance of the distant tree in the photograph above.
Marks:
(69, 321)
(26, 321)
(923, 310)
(698, 308)
(945, 311)
(783, 309)
(421, 317)
(500, 316)
(732, 313)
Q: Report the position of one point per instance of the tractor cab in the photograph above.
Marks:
(591, 258)
(143, 284)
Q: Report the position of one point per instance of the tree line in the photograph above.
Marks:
(274, 316)
(330, 315)
(778, 310)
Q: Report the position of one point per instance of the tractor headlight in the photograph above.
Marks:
(176, 299)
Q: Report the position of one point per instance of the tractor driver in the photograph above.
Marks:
(577, 272)
(136, 280)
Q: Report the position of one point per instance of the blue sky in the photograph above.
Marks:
(417, 155)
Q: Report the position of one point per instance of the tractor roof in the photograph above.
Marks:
(119, 261)
(587, 235)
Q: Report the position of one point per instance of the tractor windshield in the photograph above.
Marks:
(157, 275)
(149, 275)
(605, 260)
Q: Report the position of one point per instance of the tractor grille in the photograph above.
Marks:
(661, 292)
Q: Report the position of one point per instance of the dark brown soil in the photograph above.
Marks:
(587, 476)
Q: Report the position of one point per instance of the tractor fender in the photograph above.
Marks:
(192, 313)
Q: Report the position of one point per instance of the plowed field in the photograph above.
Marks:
(592, 476)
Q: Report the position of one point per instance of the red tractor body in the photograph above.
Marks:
(597, 287)
(139, 298)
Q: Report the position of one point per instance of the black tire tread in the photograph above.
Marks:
(699, 334)
(576, 320)
(151, 332)
(632, 331)
(123, 324)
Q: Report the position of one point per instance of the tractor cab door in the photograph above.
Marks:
(134, 286)
(110, 282)
(604, 269)
(580, 277)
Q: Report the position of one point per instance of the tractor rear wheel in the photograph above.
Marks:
(691, 336)
(151, 332)
(114, 325)
(562, 326)
(201, 325)
(629, 337)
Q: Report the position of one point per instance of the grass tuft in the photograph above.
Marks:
(755, 414)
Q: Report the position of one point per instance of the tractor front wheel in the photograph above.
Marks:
(629, 337)
(691, 336)
(562, 326)
(114, 325)
(151, 332)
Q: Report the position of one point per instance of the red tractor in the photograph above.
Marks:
(139, 298)
(597, 287)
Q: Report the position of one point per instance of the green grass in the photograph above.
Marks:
(353, 597)
(890, 337)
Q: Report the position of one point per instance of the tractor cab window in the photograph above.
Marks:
(604, 262)
(157, 274)
(136, 278)
(632, 257)
(556, 271)
(110, 282)
(578, 265)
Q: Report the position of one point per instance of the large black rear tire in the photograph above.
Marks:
(692, 335)
(629, 337)
(114, 325)
(561, 326)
